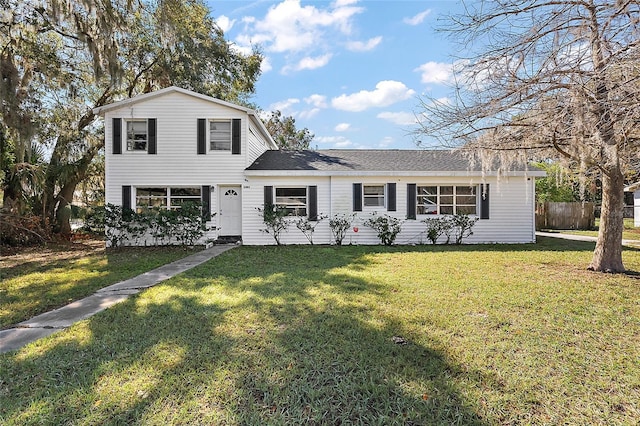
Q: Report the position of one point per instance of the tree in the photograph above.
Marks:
(284, 133)
(563, 184)
(63, 59)
(549, 79)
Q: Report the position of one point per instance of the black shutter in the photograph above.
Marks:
(117, 135)
(235, 136)
(484, 201)
(391, 197)
(206, 203)
(357, 197)
(268, 196)
(312, 194)
(411, 200)
(202, 136)
(151, 133)
(126, 197)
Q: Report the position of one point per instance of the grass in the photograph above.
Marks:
(34, 281)
(517, 334)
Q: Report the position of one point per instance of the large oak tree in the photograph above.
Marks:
(549, 79)
(61, 59)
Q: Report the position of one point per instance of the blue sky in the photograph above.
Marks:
(350, 71)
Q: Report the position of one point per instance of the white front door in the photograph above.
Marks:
(230, 211)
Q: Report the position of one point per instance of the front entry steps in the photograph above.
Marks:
(228, 239)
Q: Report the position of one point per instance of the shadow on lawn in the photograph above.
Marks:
(239, 341)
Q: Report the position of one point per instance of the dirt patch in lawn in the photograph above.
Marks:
(51, 252)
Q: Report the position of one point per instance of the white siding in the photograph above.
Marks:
(255, 145)
(511, 210)
(253, 198)
(177, 162)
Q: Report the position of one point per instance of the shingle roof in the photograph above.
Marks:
(338, 160)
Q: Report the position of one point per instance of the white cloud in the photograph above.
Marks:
(417, 19)
(334, 141)
(385, 142)
(386, 93)
(342, 127)
(284, 106)
(360, 46)
(290, 27)
(225, 23)
(399, 118)
(308, 63)
(343, 144)
(309, 113)
(435, 72)
(319, 101)
(341, 3)
(265, 65)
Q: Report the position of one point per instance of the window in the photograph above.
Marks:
(294, 200)
(137, 137)
(373, 195)
(220, 135)
(446, 199)
(180, 196)
(171, 198)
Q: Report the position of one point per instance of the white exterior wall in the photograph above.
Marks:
(253, 198)
(511, 204)
(177, 162)
(255, 144)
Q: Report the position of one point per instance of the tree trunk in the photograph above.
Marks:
(607, 257)
(63, 210)
(57, 206)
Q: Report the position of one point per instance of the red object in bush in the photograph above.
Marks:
(355, 229)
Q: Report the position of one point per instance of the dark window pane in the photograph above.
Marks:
(446, 210)
(446, 199)
(466, 199)
(466, 209)
(192, 192)
(446, 190)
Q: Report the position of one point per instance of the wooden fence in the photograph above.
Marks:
(565, 216)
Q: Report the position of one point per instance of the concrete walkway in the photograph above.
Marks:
(628, 243)
(51, 322)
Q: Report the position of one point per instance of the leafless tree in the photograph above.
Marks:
(548, 79)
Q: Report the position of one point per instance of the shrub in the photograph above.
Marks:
(460, 225)
(308, 227)
(22, 230)
(339, 224)
(438, 226)
(184, 225)
(95, 219)
(387, 227)
(274, 217)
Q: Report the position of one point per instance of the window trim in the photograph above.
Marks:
(454, 195)
(127, 121)
(293, 211)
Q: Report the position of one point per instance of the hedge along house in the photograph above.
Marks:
(174, 145)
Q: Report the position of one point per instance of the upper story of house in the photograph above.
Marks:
(177, 136)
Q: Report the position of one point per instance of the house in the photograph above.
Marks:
(635, 190)
(174, 145)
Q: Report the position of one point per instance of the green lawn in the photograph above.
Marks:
(629, 232)
(38, 280)
(305, 335)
